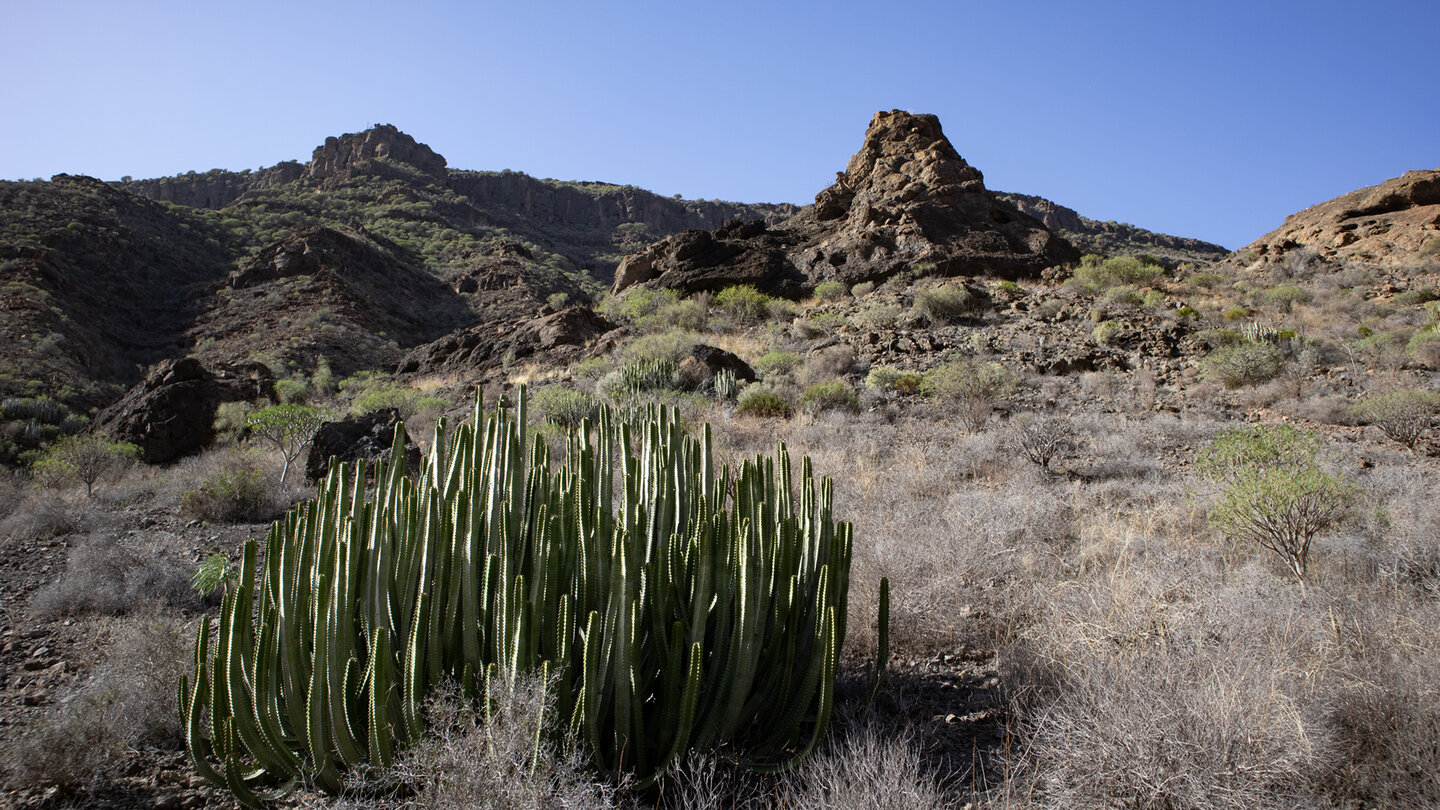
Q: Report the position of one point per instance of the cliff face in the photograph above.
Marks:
(350, 152)
(214, 189)
(1114, 238)
(597, 205)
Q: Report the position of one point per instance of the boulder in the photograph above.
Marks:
(369, 437)
(172, 413)
(704, 361)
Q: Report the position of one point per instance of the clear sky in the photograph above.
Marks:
(1205, 119)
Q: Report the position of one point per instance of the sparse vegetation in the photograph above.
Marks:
(86, 458)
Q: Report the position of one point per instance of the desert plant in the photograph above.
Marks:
(944, 304)
(775, 363)
(970, 387)
(564, 407)
(644, 376)
(1105, 332)
(213, 573)
(1244, 363)
(888, 378)
(705, 611)
(744, 303)
(230, 496)
(87, 458)
(288, 427)
(761, 400)
(725, 385)
(862, 289)
(830, 290)
(1404, 415)
(1041, 438)
(835, 395)
(1273, 491)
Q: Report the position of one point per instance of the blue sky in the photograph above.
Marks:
(1212, 120)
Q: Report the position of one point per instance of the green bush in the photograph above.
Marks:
(236, 496)
(1282, 297)
(1122, 296)
(1274, 492)
(772, 364)
(744, 303)
(830, 290)
(1244, 363)
(85, 458)
(1404, 415)
(880, 315)
(564, 407)
(673, 345)
(1106, 332)
(761, 400)
(888, 378)
(862, 289)
(944, 304)
(1096, 275)
(637, 303)
(835, 395)
(967, 379)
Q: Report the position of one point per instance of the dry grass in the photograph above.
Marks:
(126, 703)
(107, 574)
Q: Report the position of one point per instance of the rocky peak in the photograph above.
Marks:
(1390, 223)
(906, 199)
(342, 154)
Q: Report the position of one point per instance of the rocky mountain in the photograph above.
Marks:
(1114, 238)
(1390, 223)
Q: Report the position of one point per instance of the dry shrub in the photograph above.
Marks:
(110, 575)
(467, 761)
(1140, 688)
(869, 769)
(827, 364)
(42, 514)
(231, 485)
(128, 702)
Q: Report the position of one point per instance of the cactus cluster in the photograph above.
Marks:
(685, 610)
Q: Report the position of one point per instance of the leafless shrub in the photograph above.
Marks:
(467, 761)
(129, 701)
(869, 769)
(41, 515)
(1040, 438)
(105, 574)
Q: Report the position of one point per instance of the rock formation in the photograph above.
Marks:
(339, 155)
(369, 437)
(906, 199)
(1391, 222)
(562, 337)
(172, 413)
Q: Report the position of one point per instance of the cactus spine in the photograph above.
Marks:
(684, 619)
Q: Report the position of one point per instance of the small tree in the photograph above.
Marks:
(1041, 439)
(1274, 492)
(1405, 416)
(86, 457)
(289, 427)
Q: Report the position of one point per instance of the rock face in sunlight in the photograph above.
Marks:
(338, 155)
(1393, 221)
(906, 199)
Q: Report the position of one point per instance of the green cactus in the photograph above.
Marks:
(701, 612)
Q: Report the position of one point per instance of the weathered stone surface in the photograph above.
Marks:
(1389, 222)
(704, 361)
(563, 336)
(369, 437)
(905, 199)
(1111, 238)
(339, 155)
(172, 413)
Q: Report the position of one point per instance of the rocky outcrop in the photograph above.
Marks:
(1114, 238)
(369, 437)
(905, 200)
(1389, 223)
(562, 337)
(214, 189)
(172, 413)
(340, 155)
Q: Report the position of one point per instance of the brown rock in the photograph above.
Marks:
(905, 199)
(351, 151)
(172, 413)
(370, 437)
(1389, 222)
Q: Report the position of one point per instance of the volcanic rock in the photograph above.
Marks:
(369, 437)
(347, 152)
(906, 199)
(1388, 222)
(172, 413)
(699, 369)
(563, 336)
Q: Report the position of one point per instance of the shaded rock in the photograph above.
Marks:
(369, 437)
(906, 198)
(704, 361)
(172, 413)
(1112, 238)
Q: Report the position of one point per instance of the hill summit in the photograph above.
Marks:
(905, 199)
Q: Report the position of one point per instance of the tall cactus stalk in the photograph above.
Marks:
(684, 611)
